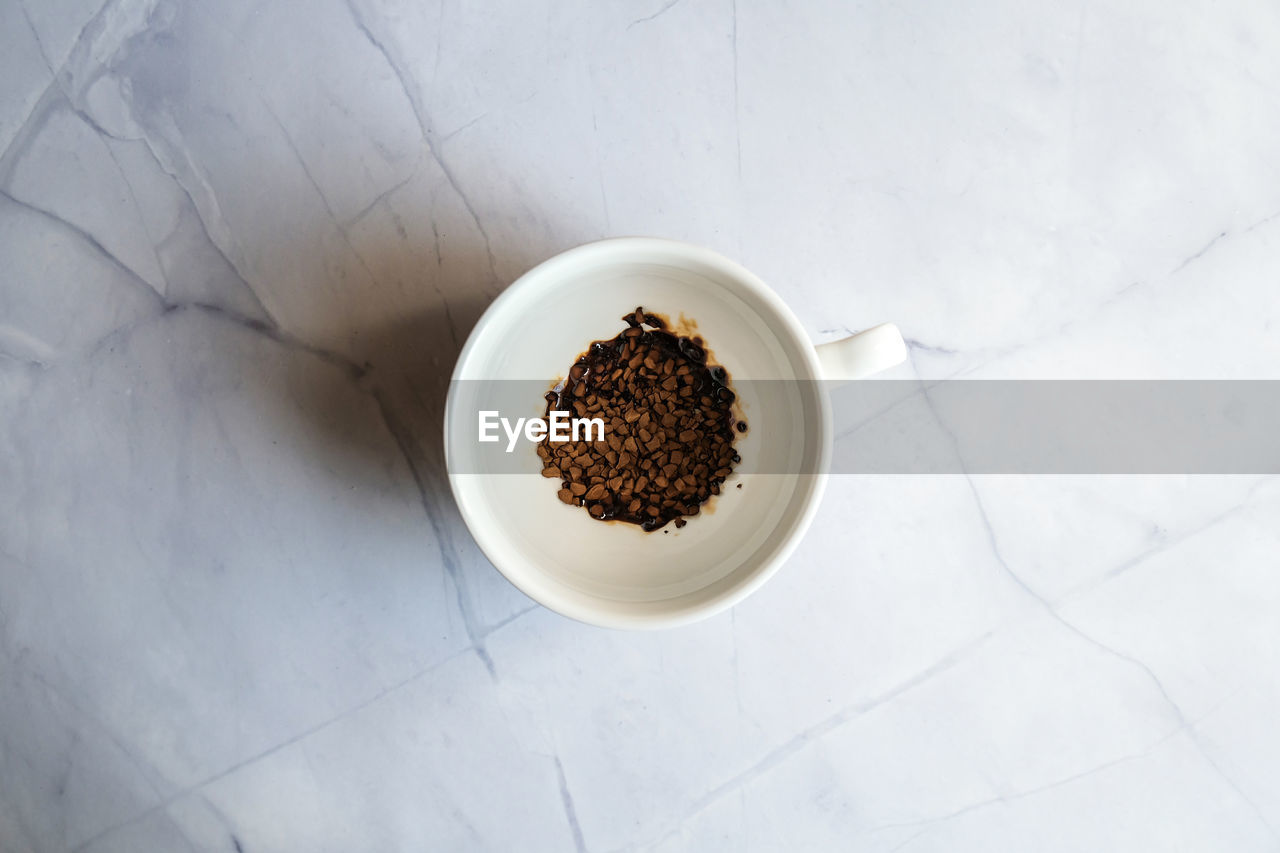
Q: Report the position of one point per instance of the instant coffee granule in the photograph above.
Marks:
(669, 427)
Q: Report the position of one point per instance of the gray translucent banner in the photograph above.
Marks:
(948, 427)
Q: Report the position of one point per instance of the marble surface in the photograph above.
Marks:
(243, 241)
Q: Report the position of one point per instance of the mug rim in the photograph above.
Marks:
(814, 488)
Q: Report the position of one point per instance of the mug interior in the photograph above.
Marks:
(613, 573)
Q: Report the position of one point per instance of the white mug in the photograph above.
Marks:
(614, 574)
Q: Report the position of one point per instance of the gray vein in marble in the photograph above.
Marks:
(570, 812)
(204, 226)
(206, 209)
(35, 34)
(1184, 726)
(469, 827)
(183, 836)
(923, 347)
(88, 118)
(306, 170)
(991, 355)
(49, 60)
(356, 372)
(404, 440)
(1235, 786)
(444, 300)
(28, 129)
(425, 126)
(451, 134)
(1192, 258)
(1165, 544)
(1175, 709)
(382, 196)
(664, 8)
(81, 726)
(137, 209)
(1129, 288)
(222, 774)
(227, 823)
(148, 773)
(502, 623)
(811, 735)
(989, 530)
(33, 363)
(929, 823)
(1224, 235)
(352, 369)
(1059, 783)
(60, 92)
(91, 240)
(20, 137)
(60, 99)
(80, 47)
(475, 632)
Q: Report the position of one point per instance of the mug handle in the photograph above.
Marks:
(863, 354)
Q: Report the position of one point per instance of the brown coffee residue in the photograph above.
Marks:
(669, 426)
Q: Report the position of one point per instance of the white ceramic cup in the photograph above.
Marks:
(613, 574)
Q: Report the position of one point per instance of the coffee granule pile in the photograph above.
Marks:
(669, 427)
